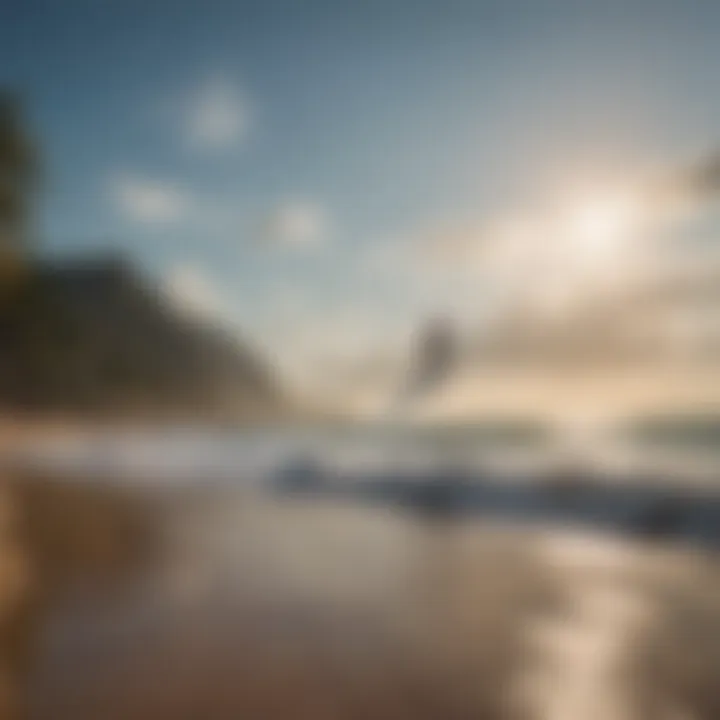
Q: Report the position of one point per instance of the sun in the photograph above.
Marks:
(599, 231)
(600, 226)
(592, 244)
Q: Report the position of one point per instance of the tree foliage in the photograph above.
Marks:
(18, 176)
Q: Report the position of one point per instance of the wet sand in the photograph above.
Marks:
(223, 604)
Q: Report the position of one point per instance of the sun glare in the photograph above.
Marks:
(600, 227)
(592, 244)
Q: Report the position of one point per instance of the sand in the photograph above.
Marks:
(170, 604)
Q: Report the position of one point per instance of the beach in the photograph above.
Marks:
(196, 601)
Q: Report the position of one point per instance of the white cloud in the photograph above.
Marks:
(296, 224)
(218, 115)
(189, 289)
(149, 201)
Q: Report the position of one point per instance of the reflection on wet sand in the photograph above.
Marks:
(14, 607)
(227, 603)
(57, 536)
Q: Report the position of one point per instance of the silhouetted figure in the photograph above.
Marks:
(432, 360)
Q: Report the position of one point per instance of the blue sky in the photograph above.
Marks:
(267, 157)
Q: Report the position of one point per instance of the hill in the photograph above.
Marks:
(94, 336)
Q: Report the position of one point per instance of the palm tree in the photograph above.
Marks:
(18, 176)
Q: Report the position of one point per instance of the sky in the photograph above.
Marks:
(300, 169)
